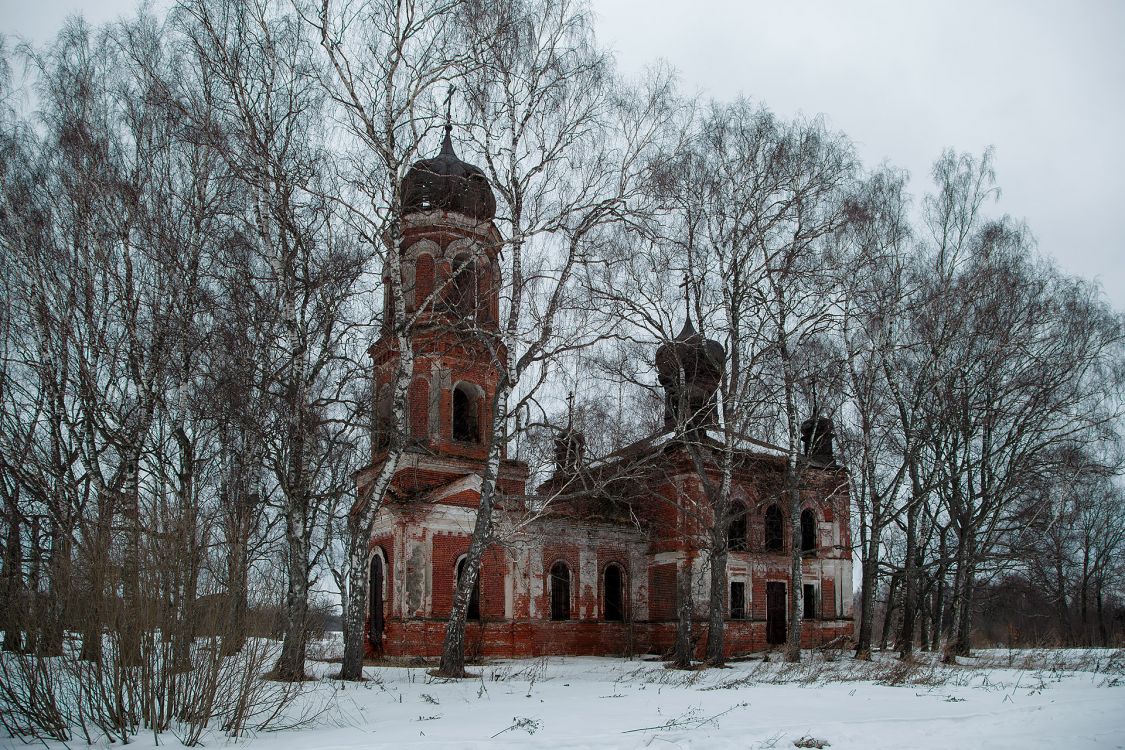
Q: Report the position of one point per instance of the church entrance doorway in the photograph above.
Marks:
(775, 613)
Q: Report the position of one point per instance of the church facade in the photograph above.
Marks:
(591, 561)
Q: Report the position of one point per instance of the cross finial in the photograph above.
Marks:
(569, 409)
(449, 108)
(447, 142)
(687, 295)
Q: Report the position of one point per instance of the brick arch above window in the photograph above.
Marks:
(418, 271)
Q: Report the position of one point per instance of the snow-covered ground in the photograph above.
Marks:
(1046, 699)
(1001, 699)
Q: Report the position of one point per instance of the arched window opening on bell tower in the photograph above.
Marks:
(466, 412)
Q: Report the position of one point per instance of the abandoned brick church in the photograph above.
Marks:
(596, 571)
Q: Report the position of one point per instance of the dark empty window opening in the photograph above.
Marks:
(775, 529)
(738, 600)
(375, 602)
(472, 612)
(465, 409)
(560, 591)
(810, 602)
(736, 529)
(614, 594)
(776, 613)
(808, 531)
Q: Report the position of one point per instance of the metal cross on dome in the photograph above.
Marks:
(687, 295)
(449, 108)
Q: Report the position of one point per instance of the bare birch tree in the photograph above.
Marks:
(386, 62)
(271, 108)
(565, 150)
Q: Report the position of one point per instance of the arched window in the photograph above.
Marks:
(736, 529)
(463, 284)
(466, 408)
(775, 529)
(473, 610)
(375, 598)
(808, 531)
(560, 591)
(614, 593)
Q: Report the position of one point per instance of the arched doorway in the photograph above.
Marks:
(775, 613)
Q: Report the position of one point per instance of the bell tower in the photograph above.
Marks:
(451, 279)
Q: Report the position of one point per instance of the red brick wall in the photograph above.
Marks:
(662, 592)
(828, 599)
(530, 638)
(492, 571)
(446, 549)
(466, 498)
(423, 277)
(420, 408)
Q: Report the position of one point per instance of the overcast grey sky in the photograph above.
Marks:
(1043, 82)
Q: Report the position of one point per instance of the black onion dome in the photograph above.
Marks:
(690, 401)
(448, 184)
(817, 434)
(701, 358)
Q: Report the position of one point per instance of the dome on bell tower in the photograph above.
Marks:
(445, 183)
(690, 368)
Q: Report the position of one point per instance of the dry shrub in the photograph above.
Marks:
(66, 697)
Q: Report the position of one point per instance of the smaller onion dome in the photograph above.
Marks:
(446, 183)
(699, 362)
(816, 437)
(570, 449)
(570, 444)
